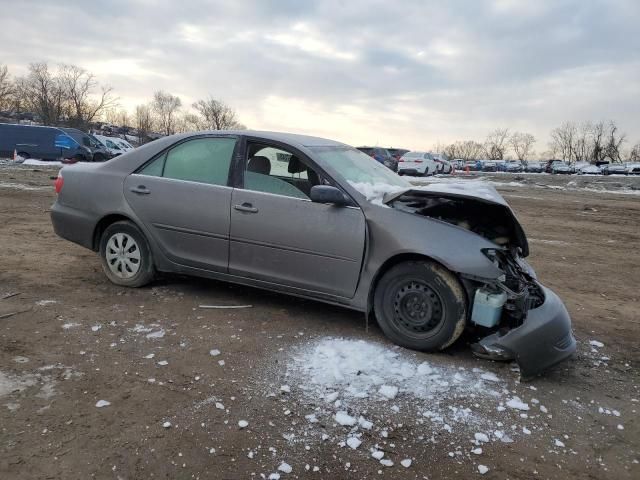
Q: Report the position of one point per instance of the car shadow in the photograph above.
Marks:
(320, 318)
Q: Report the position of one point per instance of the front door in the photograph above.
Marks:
(183, 199)
(279, 235)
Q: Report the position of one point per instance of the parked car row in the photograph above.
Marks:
(558, 167)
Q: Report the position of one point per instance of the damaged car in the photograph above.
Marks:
(321, 220)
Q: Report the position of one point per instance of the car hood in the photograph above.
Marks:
(462, 204)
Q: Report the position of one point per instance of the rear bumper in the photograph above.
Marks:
(543, 340)
(73, 225)
(413, 171)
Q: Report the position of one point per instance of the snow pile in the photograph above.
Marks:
(13, 383)
(374, 192)
(42, 163)
(335, 368)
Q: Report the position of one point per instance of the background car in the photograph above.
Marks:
(126, 146)
(549, 164)
(472, 165)
(513, 167)
(443, 165)
(381, 155)
(614, 169)
(397, 153)
(489, 166)
(44, 143)
(633, 168)
(588, 169)
(99, 152)
(113, 148)
(418, 164)
(561, 168)
(534, 167)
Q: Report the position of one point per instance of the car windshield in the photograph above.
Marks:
(359, 169)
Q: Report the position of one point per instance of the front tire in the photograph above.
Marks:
(126, 257)
(420, 305)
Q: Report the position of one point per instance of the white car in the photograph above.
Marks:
(417, 164)
(443, 164)
(126, 146)
(633, 168)
(113, 148)
(588, 169)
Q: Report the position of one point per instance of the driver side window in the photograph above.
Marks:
(279, 172)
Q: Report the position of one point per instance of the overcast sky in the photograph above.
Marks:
(392, 73)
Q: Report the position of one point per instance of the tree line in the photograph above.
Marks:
(71, 96)
(572, 142)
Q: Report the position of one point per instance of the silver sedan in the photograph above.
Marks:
(319, 219)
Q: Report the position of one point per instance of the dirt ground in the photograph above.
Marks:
(76, 339)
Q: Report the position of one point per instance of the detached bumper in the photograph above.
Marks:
(543, 340)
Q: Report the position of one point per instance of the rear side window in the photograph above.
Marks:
(204, 160)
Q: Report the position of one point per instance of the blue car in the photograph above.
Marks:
(44, 143)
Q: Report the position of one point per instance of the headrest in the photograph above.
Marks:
(259, 164)
(295, 165)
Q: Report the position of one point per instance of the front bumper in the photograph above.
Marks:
(543, 340)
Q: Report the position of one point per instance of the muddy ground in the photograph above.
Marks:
(75, 339)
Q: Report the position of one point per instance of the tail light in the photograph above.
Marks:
(400, 160)
(418, 161)
(59, 183)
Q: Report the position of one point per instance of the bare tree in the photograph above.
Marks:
(6, 88)
(522, 144)
(117, 116)
(42, 93)
(143, 122)
(634, 154)
(583, 142)
(465, 150)
(614, 141)
(166, 108)
(216, 115)
(83, 105)
(496, 144)
(563, 141)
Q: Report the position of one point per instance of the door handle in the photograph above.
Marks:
(246, 207)
(141, 189)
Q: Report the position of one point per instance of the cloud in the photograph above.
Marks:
(361, 71)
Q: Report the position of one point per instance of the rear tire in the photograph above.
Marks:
(126, 256)
(24, 155)
(420, 305)
(98, 157)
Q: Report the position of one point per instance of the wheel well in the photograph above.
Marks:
(102, 226)
(390, 263)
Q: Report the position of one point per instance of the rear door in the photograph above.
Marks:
(183, 198)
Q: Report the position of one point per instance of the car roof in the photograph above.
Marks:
(293, 139)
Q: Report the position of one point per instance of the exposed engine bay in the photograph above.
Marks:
(516, 292)
(487, 218)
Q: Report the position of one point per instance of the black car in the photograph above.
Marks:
(548, 166)
(100, 153)
(381, 155)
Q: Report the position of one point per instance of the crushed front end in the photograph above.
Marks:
(534, 327)
(516, 317)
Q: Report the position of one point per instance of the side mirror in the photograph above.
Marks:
(328, 194)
